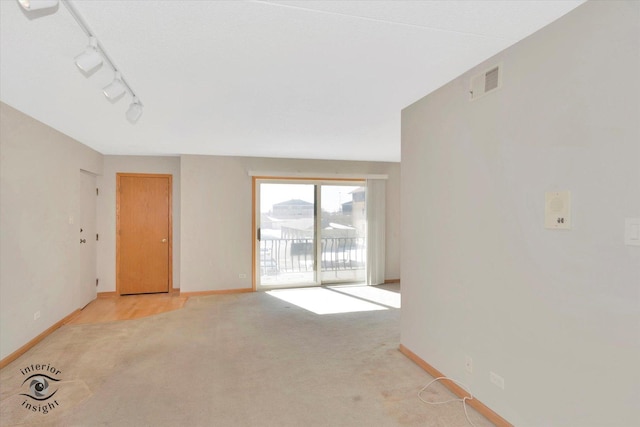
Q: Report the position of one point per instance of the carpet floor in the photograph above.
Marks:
(232, 360)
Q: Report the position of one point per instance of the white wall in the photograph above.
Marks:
(107, 211)
(39, 249)
(216, 215)
(556, 313)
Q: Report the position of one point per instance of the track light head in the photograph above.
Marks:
(114, 90)
(90, 59)
(37, 4)
(135, 110)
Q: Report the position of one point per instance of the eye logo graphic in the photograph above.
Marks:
(42, 388)
(39, 387)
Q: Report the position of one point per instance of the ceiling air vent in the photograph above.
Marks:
(486, 82)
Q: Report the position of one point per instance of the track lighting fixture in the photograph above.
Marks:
(135, 110)
(90, 59)
(37, 4)
(93, 56)
(115, 89)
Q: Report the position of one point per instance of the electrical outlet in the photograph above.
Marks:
(468, 364)
(242, 276)
(496, 379)
(36, 315)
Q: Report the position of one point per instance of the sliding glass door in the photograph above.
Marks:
(309, 232)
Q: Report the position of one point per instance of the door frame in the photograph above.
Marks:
(84, 174)
(170, 202)
(256, 180)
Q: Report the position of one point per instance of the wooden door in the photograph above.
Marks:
(143, 233)
(87, 240)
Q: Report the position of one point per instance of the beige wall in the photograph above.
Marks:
(212, 214)
(216, 214)
(555, 313)
(107, 211)
(39, 204)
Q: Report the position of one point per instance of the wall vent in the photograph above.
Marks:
(486, 82)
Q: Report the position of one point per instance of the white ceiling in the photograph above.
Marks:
(296, 79)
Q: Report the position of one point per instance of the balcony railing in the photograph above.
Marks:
(280, 256)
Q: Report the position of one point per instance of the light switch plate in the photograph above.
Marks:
(632, 231)
(557, 210)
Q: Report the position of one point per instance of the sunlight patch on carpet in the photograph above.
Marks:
(324, 301)
(372, 294)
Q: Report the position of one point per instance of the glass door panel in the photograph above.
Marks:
(286, 254)
(343, 251)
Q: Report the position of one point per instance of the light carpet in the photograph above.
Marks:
(232, 360)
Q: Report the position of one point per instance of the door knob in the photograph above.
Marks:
(164, 240)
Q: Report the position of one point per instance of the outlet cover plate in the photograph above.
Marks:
(496, 379)
(468, 364)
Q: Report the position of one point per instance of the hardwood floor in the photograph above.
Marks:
(113, 307)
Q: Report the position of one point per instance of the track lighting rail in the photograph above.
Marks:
(87, 63)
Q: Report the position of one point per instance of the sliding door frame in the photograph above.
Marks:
(317, 182)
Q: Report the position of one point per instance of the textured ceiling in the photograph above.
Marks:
(303, 79)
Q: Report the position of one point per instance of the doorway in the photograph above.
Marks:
(87, 240)
(309, 232)
(143, 233)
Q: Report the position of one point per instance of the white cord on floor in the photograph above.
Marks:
(463, 400)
